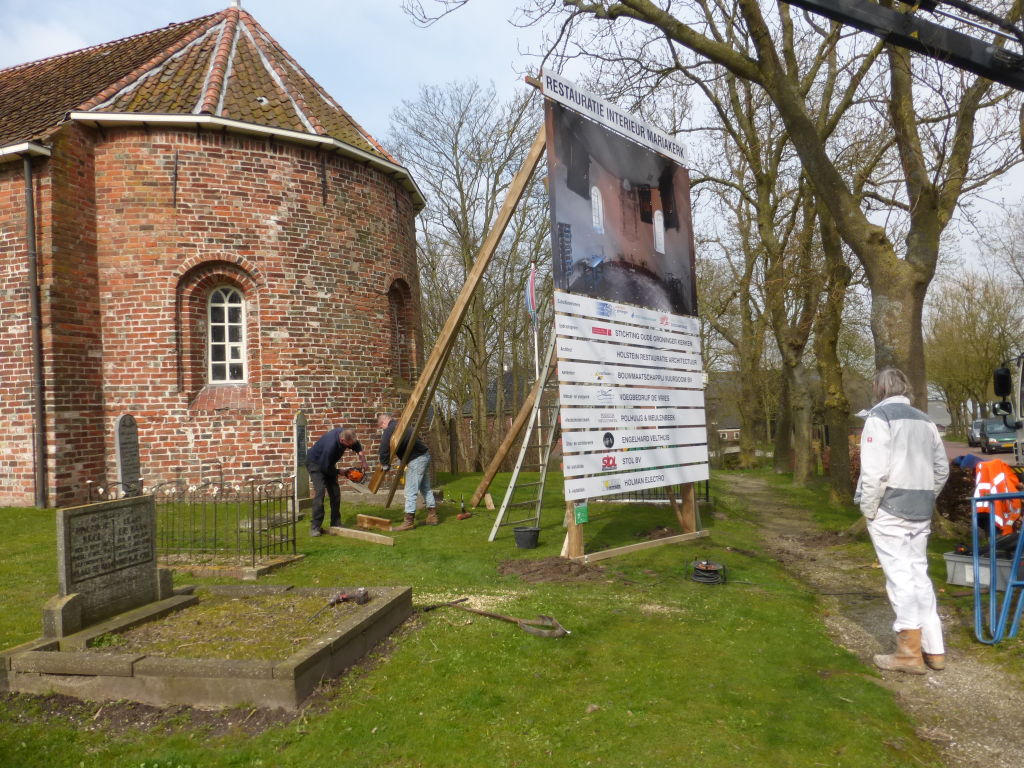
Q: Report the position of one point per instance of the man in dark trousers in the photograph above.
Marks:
(417, 471)
(321, 462)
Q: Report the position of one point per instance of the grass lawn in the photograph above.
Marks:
(658, 670)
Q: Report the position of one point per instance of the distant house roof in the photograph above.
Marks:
(224, 65)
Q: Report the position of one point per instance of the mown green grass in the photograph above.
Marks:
(658, 670)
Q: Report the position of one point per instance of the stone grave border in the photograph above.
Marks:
(62, 665)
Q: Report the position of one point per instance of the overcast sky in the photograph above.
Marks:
(367, 54)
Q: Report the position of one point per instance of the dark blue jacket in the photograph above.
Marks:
(418, 448)
(327, 451)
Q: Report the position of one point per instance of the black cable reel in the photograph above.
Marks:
(707, 572)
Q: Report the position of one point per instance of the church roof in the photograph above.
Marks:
(223, 65)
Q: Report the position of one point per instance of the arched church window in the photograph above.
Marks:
(401, 332)
(226, 335)
(659, 231)
(597, 210)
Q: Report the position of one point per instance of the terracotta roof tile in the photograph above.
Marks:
(34, 97)
(224, 64)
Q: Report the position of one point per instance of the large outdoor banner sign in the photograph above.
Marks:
(630, 378)
(620, 205)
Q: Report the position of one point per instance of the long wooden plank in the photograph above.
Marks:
(605, 554)
(428, 379)
(352, 533)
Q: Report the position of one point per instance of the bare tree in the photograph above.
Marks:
(464, 145)
(934, 116)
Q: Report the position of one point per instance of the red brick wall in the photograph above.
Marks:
(16, 450)
(172, 215)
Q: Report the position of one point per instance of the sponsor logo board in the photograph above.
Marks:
(575, 304)
(594, 463)
(613, 418)
(602, 352)
(583, 394)
(628, 334)
(577, 442)
(623, 482)
(589, 373)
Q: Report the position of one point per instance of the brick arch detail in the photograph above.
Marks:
(401, 333)
(192, 290)
(239, 264)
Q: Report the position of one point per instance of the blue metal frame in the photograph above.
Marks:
(997, 615)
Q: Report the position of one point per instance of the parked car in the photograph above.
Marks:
(974, 432)
(996, 436)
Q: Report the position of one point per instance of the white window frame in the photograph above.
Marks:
(234, 350)
(597, 209)
(659, 232)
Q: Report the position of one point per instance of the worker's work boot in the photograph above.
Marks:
(936, 661)
(432, 516)
(908, 656)
(409, 523)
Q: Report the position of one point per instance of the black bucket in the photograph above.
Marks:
(526, 538)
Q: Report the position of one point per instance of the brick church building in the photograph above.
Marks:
(195, 235)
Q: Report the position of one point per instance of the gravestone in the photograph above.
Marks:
(302, 500)
(128, 464)
(106, 563)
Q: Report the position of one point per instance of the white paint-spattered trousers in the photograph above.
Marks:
(901, 546)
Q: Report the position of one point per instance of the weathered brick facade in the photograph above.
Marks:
(136, 227)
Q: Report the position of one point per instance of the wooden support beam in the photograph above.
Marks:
(423, 391)
(352, 533)
(573, 546)
(605, 554)
(686, 509)
(371, 521)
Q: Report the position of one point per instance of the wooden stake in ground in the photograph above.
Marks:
(423, 392)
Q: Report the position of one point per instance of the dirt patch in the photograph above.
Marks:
(957, 709)
(552, 569)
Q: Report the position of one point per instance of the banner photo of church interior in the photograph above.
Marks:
(620, 212)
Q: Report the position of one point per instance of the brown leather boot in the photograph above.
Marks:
(908, 656)
(936, 661)
(409, 523)
(432, 516)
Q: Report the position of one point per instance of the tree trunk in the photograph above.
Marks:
(453, 443)
(827, 324)
(800, 409)
(782, 461)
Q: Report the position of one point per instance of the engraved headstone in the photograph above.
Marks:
(302, 500)
(128, 464)
(106, 557)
